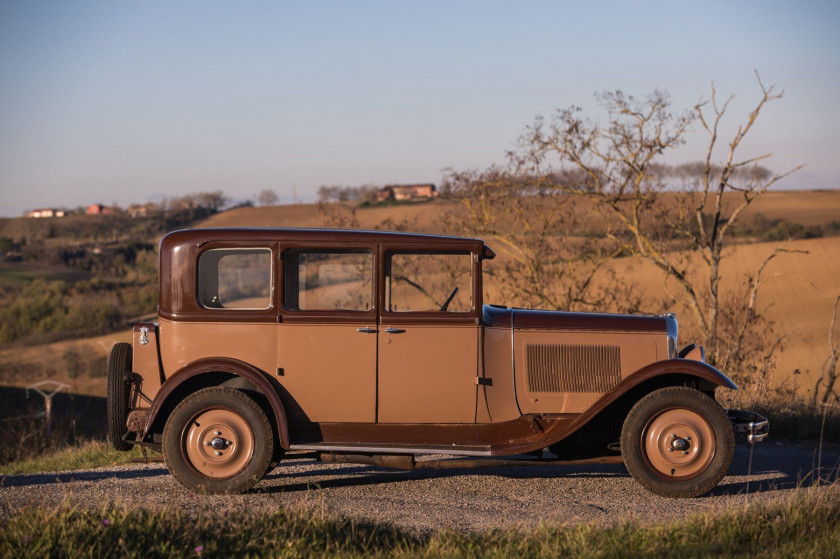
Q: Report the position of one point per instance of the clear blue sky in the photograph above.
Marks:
(127, 101)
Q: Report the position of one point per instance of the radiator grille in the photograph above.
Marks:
(572, 368)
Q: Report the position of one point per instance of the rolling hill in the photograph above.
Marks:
(798, 293)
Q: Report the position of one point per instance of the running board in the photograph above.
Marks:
(394, 449)
(407, 461)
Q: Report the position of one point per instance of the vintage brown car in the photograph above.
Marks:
(376, 347)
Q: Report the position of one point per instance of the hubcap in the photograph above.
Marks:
(218, 443)
(679, 443)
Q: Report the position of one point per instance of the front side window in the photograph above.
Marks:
(329, 280)
(235, 278)
(418, 282)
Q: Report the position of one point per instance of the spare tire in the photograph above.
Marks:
(119, 389)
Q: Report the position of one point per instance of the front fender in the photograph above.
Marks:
(676, 366)
(223, 365)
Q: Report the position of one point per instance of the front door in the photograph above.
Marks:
(429, 333)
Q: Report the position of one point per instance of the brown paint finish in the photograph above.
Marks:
(475, 436)
(427, 373)
(222, 365)
(329, 370)
(680, 367)
(527, 433)
(524, 319)
(181, 343)
(405, 381)
(146, 357)
(179, 252)
(498, 397)
(637, 349)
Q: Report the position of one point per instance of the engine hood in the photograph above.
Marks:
(558, 320)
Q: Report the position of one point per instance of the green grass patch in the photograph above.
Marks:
(92, 454)
(15, 274)
(807, 526)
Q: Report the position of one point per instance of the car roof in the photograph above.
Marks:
(308, 234)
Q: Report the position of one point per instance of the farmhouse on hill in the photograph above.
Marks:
(403, 192)
(46, 212)
(99, 209)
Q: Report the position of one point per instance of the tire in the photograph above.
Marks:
(118, 393)
(677, 442)
(218, 441)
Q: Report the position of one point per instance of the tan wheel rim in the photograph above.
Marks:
(679, 443)
(218, 443)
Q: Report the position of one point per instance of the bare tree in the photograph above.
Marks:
(681, 232)
(267, 197)
(551, 254)
(213, 201)
(338, 216)
(831, 366)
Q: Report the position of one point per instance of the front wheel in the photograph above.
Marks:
(218, 440)
(677, 442)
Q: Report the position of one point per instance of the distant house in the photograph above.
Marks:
(143, 210)
(406, 192)
(99, 209)
(46, 212)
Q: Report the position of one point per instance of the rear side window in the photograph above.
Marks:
(329, 280)
(235, 278)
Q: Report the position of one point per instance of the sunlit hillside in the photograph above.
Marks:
(798, 293)
(803, 207)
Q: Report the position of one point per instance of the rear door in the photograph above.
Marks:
(327, 335)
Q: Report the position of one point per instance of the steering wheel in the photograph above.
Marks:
(449, 299)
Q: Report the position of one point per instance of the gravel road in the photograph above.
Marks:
(424, 500)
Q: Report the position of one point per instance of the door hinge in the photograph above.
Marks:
(484, 381)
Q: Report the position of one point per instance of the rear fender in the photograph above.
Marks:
(222, 365)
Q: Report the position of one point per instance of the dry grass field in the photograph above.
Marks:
(803, 207)
(25, 365)
(798, 292)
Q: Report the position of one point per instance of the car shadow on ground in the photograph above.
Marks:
(359, 476)
(765, 470)
(24, 480)
(760, 472)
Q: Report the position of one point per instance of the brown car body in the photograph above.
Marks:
(382, 381)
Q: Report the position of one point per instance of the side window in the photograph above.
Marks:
(235, 278)
(329, 280)
(419, 282)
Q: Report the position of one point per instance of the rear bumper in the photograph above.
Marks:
(755, 426)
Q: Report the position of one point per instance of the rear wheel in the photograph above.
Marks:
(119, 389)
(677, 442)
(218, 440)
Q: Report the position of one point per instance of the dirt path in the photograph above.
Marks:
(422, 500)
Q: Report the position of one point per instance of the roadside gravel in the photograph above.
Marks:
(427, 500)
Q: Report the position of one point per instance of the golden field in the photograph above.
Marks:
(798, 292)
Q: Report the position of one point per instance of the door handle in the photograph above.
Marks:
(367, 330)
(390, 330)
